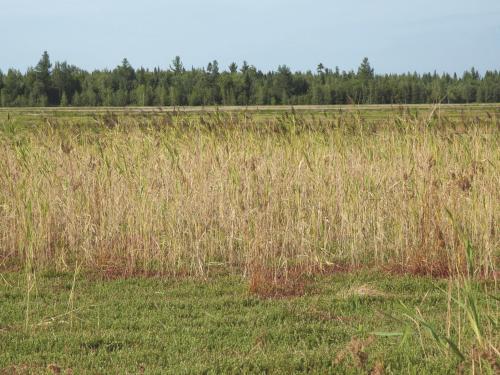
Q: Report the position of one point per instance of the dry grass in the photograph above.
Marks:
(355, 354)
(364, 290)
(179, 194)
(267, 283)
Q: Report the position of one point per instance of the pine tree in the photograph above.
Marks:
(365, 71)
(64, 100)
(233, 68)
(177, 66)
(41, 85)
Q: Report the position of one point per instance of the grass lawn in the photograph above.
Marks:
(152, 325)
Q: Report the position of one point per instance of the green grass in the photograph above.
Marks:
(216, 326)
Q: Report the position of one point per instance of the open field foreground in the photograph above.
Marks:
(321, 240)
(344, 323)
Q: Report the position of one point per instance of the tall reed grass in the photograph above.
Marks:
(194, 194)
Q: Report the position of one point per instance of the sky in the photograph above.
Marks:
(396, 35)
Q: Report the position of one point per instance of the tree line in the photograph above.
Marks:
(62, 84)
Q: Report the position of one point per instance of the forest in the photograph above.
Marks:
(63, 84)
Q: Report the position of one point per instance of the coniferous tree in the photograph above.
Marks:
(64, 100)
(365, 71)
(13, 89)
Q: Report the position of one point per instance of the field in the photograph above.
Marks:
(346, 323)
(307, 239)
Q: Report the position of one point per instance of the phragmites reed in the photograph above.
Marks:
(175, 193)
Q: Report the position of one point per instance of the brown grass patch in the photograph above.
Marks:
(356, 352)
(267, 283)
(25, 369)
(364, 290)
(292, 281)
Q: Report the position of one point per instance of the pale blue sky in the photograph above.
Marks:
(397, 35)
